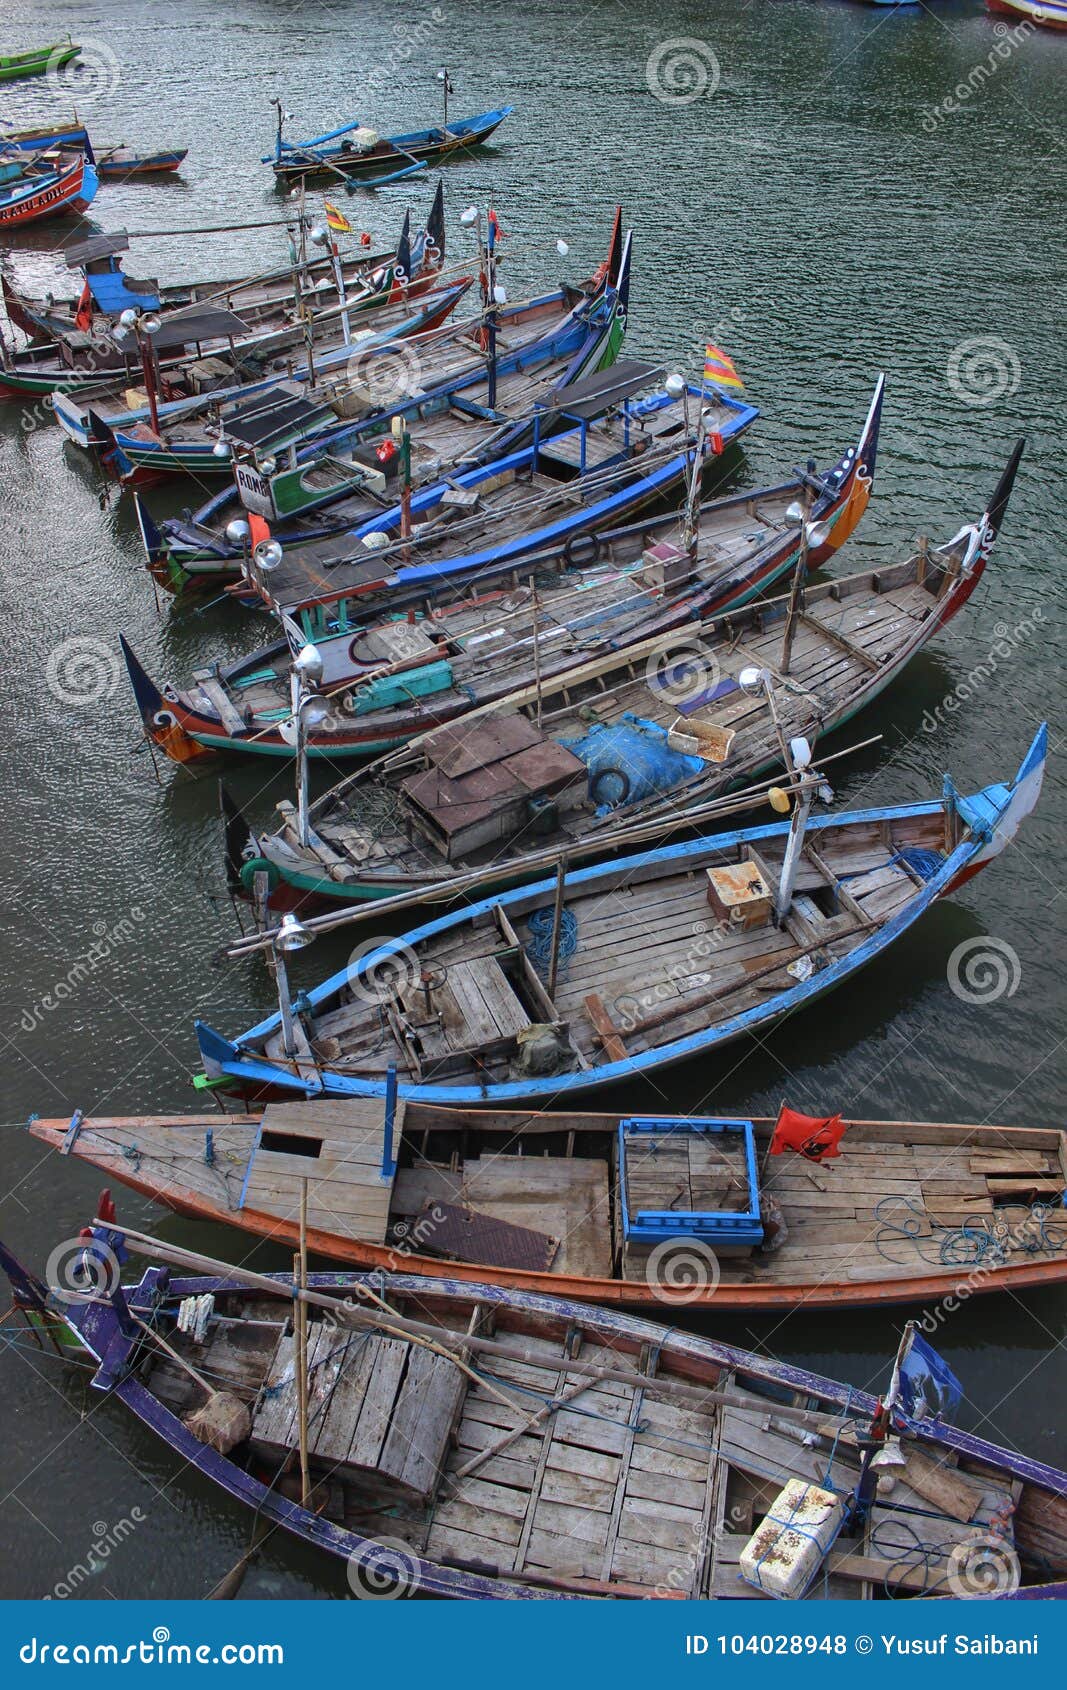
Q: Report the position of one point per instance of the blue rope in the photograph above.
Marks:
(539, 949)
(990, 1241)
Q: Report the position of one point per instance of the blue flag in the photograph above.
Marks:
(923, 1384)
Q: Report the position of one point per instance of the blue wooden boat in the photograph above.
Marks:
(226, 1365)
(343, 377)
(115, 164)
(44, 137)
(663, 956)
(600, 471)
(552, 343)
(363, 156)
(387, 683)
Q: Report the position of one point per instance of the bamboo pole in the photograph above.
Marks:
(301, 1269)
(388, 1321)
(557, 924)
(454, 885)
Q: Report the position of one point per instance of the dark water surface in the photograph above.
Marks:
(824, 215)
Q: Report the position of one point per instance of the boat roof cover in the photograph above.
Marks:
(196, 323)
(278, 411)
(97, 246)
(594, 394)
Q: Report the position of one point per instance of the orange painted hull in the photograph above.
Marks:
(818, 1293)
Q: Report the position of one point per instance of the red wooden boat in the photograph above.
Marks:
(69, 187)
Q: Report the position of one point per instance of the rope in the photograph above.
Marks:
(539, 950)
(989, 1242)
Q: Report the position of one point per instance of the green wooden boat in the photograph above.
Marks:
(37, 60)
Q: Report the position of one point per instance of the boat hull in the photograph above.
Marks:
(754, 1293)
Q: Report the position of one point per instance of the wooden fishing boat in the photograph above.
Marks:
(639, 740)
(118, 163)
(107, 291)
(37, 61)
(652, 959)
(407, 380)
(50, 189)
(90, 365)
(332, 490)
(602, 469)
(44, 137)
(451, 1440)
(613, 1204)
(1046, 14)
(386, 682)
(362, 155)
(163, 433)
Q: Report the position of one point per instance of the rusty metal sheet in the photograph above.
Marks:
(466, 1235)
(546, 767)
(460, 750)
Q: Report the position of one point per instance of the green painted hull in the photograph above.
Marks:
(38, 62)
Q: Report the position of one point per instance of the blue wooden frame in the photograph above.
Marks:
(713, 1226)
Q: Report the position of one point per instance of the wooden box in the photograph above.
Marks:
(738, 893)
(381, 1410)
(664, 567)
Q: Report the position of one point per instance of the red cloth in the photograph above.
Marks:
(257, 530)
(808, 1135)
(83, 316)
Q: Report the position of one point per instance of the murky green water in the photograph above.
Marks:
(822, 213)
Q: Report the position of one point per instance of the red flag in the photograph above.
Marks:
(808, 1135)
(83, 316)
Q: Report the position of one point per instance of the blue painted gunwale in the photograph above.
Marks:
(96, 1327)
(987, 806)
(581, 337)
(74, 413)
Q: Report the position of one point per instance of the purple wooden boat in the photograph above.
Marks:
(469, 1441)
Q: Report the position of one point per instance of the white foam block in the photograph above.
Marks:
(784, 1554)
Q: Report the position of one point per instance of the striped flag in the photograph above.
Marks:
(336, 220)
(720, 369)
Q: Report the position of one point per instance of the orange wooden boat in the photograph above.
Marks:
(613, 1210)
